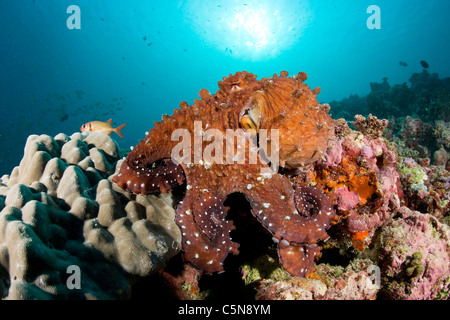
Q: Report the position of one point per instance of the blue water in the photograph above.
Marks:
(133, 60)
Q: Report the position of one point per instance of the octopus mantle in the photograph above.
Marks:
(296, 216)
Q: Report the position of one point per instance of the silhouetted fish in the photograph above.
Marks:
(403, 64)
(424, 64)
(64, 117)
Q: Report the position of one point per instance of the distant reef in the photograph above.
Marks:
(426, 97)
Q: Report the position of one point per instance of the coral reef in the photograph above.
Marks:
(418, 115)
(360, 173)
(305, 130)
(424, 142)
(397, 253)
(370, 127)
(393, 252)
(427, 97)
(292, 289)
(425, 188)
(347, 108)
(387, 101)
(367, 180)
(354, 282)
(415, 257)
(356, 210)
(61, 215)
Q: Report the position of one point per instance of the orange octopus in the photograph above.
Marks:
(296, 216)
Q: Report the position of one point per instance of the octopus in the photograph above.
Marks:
(297, 216)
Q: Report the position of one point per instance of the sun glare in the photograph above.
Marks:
(252, 26)
(253, 30)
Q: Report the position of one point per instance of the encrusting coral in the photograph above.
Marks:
(359, 173)
(414, 254)
(355, 282)
(60, 212)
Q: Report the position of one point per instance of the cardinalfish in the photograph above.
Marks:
(101, 126)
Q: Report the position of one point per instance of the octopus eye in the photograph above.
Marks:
(250, 121)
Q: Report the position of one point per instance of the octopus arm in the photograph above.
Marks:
(161, 176)
(298, 260)
(297, 217)
(206, 239)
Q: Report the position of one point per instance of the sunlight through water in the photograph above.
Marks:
(251, 30)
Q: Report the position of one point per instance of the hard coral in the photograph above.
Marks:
(442, 134)
(359, 172)
(416, 134)
(359, 280)
(425, 188)
(292, 289)
(280, 105)
(355, 282)
(60, 212)
(370, 127)
(415, 256)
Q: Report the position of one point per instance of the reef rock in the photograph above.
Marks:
(357, 281)
(66, 232)
(415, 257)
(360, 174)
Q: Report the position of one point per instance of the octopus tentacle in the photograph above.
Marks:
(307, 212)
(316, 209)
(206, 240)
(298, 260)
(160, 176)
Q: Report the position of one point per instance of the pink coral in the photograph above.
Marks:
(415, 253)
(346, 200)
(366, 182)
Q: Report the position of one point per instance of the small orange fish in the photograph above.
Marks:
(101, 126)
